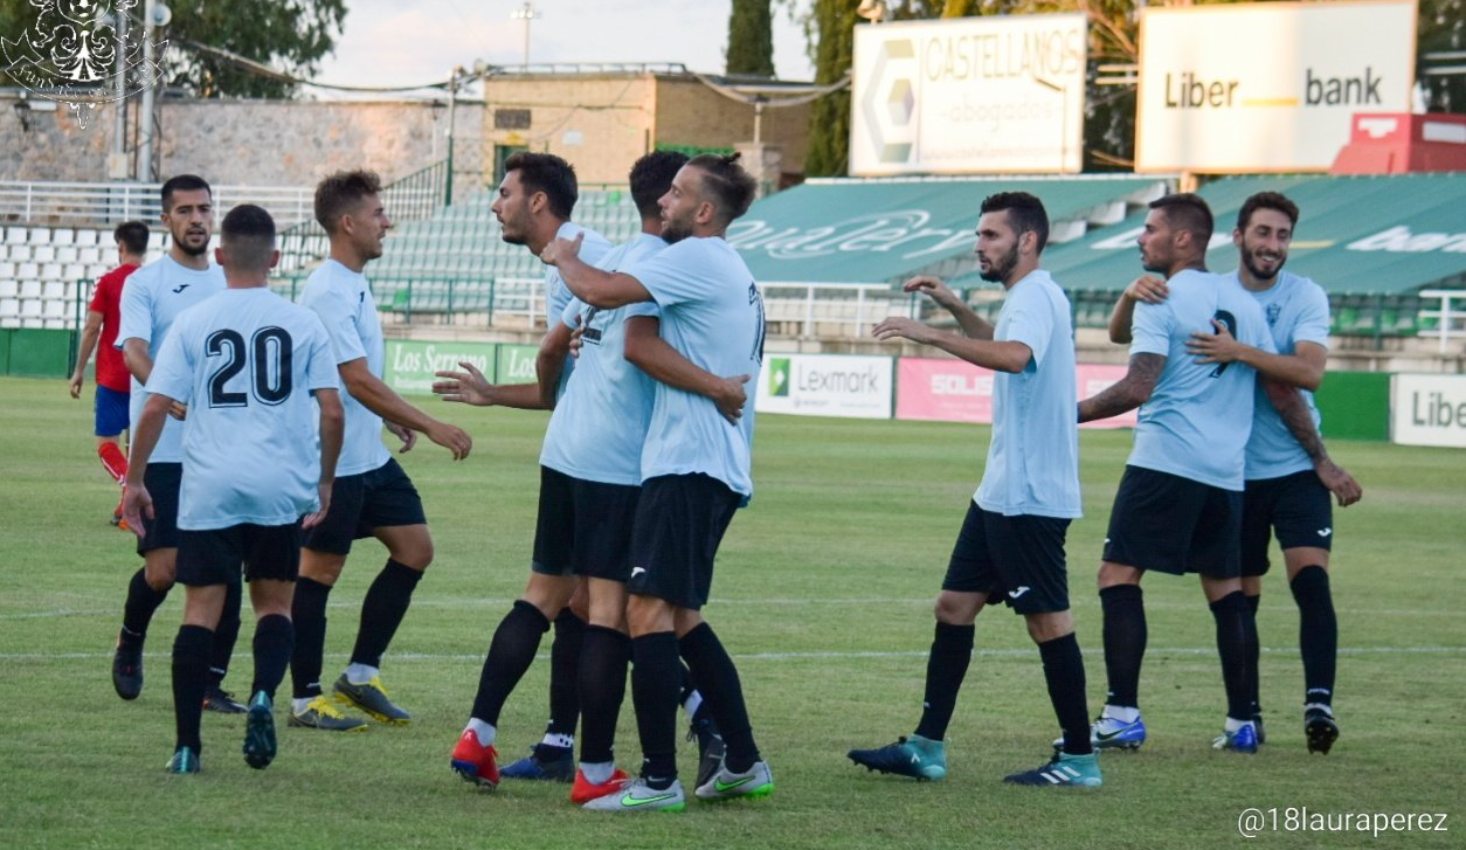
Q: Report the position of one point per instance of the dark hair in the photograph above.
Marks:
(1266, 201)
(1187, 211)
(651, 177)
(340, 192)
(1025, 212)
(133, 235)
(248, 237)
(732, 189)
(183, 183)
(545, 172)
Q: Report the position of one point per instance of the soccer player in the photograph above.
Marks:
(1179, 504)
(1011, 547)
(113, 381)
(373, 496)
(1289, 475)
(258, 455)
(153, 297)
(590, 481)
(695, 472)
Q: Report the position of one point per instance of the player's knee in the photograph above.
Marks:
(1049, 625)
(1112, 575)
(647, 615)
(416, 555)
(957, 609)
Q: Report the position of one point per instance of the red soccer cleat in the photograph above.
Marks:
(583, 791)
(475, 762)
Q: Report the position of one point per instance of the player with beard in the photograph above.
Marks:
(1289, 476)
(373, 496)
(1011, 546)
(153, 297)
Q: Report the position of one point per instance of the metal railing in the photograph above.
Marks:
(100, 204)
(858, 306)
(1449, 321)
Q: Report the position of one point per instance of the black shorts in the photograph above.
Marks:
(1018, 560)
(214, 557)
(584, 527)
(680, 520)
(1297, 508)
(161, 532)
(1170, 524)
(360, 504)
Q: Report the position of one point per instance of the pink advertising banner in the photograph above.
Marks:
(955, 391)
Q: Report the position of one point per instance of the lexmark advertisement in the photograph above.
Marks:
(826, 385)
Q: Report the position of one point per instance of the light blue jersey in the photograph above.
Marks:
(246, 362)
(1033, 459)
(151, 300)
(557, 294)
(1199, 416)
(600, 421)
(713, 315)
(343, 301)
(1297, 310)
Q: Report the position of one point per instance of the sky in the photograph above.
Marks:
(392, 43)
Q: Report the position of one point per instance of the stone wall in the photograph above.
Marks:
(253, 142)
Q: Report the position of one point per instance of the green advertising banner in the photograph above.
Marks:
(411, 364)
(1355, 405)
(516, 364)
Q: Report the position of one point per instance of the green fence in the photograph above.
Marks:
(36, 353)
(1355, 405)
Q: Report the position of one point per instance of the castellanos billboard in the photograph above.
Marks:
(969, 96)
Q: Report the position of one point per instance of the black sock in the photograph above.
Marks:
(1318, 633)
(654, 693)
(1254, 658)
(1064, 673)
(226, 634)
(1124, 636)
(382, 611)
(717, 677)
(946, 667)
(190, 678)
(308, 613)
(564, 675)
(274, 636)
(512, 650)
(1234, 622)
(604, 656)
(137, 611)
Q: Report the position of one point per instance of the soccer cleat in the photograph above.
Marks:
(371, 698)
(1320, 729)
(1244, 740)
(218, 700)
(917, 757)
(1257, 724)
(127, 671)
(637, 796)
(475, 762)
(184, 760)
(710, 748)
(321, 713)
(583, 791)
(560, 767)
(259, 732)
(757, 781)
(1108, 733)
(1063, 769)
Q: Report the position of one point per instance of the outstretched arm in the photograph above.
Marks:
(1129, 392)
(973, 326)
(606, 290)
(382, 400)
(1000, 356)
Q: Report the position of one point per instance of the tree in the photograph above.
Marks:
(288, 35)
(751, 38)
(831, 29)
(1442, 27)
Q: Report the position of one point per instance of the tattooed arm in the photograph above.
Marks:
(1129, 392)
(1295, 415)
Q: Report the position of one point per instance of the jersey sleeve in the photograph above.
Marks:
(172, 374)
(570, 316)
(320, 370)
(670, 276)
(1313, 319)
(137, 313)
(1150, 330)
(1031, 323)
(335, 314)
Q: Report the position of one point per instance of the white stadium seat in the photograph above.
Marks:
(89, 255)
(74, 271)
(40, 236)
(57, 324)
(87, 237)
(7, 271)
(54, 309)
(15, 235)
(43, 253)
(54, 290)
(63, 236)
(32, 322)
(29, 270)
(9, 307)
(9, 288)
(30, 288)
(20, 253)
(30, 307)
(51, 271)
(66, 254)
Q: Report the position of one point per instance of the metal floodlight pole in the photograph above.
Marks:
(145, 116)
(525, 13)
(119, 115)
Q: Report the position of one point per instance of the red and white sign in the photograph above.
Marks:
(957, 391)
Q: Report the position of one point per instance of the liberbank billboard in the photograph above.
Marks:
(969, 96)
(1266, 87)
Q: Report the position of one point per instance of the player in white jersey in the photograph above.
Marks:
(1289, 473)
(590, 483)
(374, 497)
(153, 297)
(1011, 546)
(695, 471)
(259, 453)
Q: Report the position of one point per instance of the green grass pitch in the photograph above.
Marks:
(823, 594)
